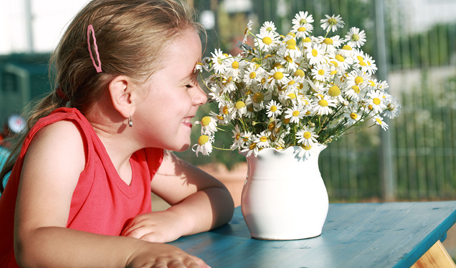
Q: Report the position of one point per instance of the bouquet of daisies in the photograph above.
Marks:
(293, 90)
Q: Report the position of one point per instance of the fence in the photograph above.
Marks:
(416, 158)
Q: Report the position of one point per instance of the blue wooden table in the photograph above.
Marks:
(354, 235)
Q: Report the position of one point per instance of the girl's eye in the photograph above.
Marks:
(189, 86)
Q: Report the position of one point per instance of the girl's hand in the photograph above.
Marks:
(162, 255)
(158, 227)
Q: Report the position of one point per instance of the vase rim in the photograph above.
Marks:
(283, 151)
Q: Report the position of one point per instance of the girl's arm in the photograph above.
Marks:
(50, 173)
(199, 202)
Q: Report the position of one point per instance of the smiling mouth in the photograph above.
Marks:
(186, 121)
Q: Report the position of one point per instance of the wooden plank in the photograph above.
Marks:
(354, 235)
(435, 257)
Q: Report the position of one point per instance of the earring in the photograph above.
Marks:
(130, 121)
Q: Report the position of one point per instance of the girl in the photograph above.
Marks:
(79, 191)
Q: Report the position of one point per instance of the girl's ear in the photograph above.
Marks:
(121, 89)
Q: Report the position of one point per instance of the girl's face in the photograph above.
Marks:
(163, 119)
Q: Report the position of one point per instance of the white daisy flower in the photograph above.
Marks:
(353, 92)
(357, 78)
(355, 38)
(371, 67)
(268, 27)
(316, 54)
(204, 145)
(217, 60)
(294, 113)
(252, 73)
(335, 92)
(262, 139)
(198, 67)
(307, 150)
(303, 30)
(382, 85)
(323, 104)
(208, 125)
(320, 72)
(352, 115)
(247, 31)
(220, 118)
(302, 18)
(307, 136)
(376, 101)
(266, 41)
(234, 67)
(332, 23)
(330, 44)
(237, 139)
(346, 51)
(250, 147)
(274, 109)
(393, 107)
(379, 121)
(240, 109)
(278, 76)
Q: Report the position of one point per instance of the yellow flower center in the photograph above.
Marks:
(378, 121)
(286, 121)
(271, 126)
(267, 40)
(307, 40)
(273, 108)
(306, 147)
(288, 59)
(219, 117)
(372, 83)
(323, 103)
(321, 72)
(333, 72)
(252, 146)
(277, 65)
(269, 29)
(205, 121)
(258, 97)
(332, 21)
(299, 72)
(359, 80)
(340, 58)
(355, 37)
(370, 107)
(354, 116)
(239, 105)
(225, 110)
(295, 113)
(292, 96)
(334, 91)
(347, 47)
(301, 29)
(291, 82)
(307, 135)
(314, 52)
(278, 75)
(291, 47)
(356, 89)
(252, 75)
(376, 101)
(360, 58)
(334, 63)
(238, 136)
(248, 92)
(263, 139)
(328, 41)
(303, 21)
(219, 60)
(203, 139)
(291, 42)
(362, 63)
(235, 65)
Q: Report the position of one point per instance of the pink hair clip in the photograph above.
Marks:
(97, 67)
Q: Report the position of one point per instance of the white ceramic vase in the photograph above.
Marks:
(284, 196)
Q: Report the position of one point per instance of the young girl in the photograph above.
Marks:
(79, 192)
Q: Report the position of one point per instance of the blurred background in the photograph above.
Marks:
(412, 41)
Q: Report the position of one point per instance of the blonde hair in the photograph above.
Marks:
(130, 37)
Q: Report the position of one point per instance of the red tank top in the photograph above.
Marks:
(102, 202)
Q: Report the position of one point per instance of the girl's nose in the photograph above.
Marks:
(199, 97)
